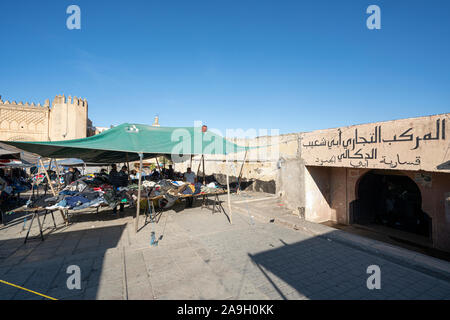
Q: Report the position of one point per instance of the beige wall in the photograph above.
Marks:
(261, 163)
(407, 144)
(20, 121)
(317, 194)
(66, 119)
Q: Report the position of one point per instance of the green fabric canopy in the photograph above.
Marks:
(126, 141)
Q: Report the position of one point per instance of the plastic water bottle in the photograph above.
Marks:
(153, 239)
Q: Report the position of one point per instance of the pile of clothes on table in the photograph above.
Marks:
(86, 192)
(91, 192)
(170, 190)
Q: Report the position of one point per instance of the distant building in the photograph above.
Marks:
(156, 122)
(100, 129)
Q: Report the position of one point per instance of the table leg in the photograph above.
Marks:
(45, 215)
(29, 228)
(214, 205)
(53, 217)
(40, 227)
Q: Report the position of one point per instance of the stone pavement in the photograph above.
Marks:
(280, 215)
(199, 255)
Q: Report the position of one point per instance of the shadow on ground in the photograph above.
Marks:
(319, 268)
(41, 265)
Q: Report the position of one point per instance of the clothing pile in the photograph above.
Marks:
(212, 187)
(173, 190)
(20, 185)
(91, 192)
(86, 192)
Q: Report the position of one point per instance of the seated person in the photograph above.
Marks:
(118, 179)
(155, 176)
(189, 176)
(123, 176)
(69, 176)
(103, 173)
(170, 173)
(133, 175)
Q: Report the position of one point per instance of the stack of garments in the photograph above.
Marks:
(75, 200)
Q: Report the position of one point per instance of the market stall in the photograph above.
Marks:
(13, 180)
(131, 142)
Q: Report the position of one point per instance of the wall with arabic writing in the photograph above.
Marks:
(406, 144)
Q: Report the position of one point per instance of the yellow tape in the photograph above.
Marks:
(25, 289)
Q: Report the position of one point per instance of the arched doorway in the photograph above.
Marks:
(391, 200)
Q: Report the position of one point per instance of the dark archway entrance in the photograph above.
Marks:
(391, 200)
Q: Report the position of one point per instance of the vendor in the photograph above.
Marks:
(69, 176)
(76, 174)
(189, 176)
(123, 176)
(5, 188)
(155, 176)
(113, 175)
(118, 179)
(103, 173)
(133, 175)
(170, 173)
(3, 183)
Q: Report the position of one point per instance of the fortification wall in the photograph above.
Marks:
(24, 121)
(65, 119)
(68, 118)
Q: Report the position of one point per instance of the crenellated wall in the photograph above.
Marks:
(24, 121)
(68, 118)
(64, 119)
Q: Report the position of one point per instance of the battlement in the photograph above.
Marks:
(59, 99)
(21, 104)
(75, 101)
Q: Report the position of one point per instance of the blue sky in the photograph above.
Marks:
(287, 65)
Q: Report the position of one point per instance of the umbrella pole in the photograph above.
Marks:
(53, 190)
(228, 190)
(57, 174)
(240, 173)
(204, 174)
(138, 207)
(48, 177)
(159, 169)
(128, 168)
(38, 165)
(199, 164)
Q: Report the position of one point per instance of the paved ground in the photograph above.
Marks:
(199, 255)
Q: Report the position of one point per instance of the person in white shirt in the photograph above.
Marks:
(189, 176)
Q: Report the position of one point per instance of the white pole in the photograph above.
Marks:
(138, 207)
(228, 190)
